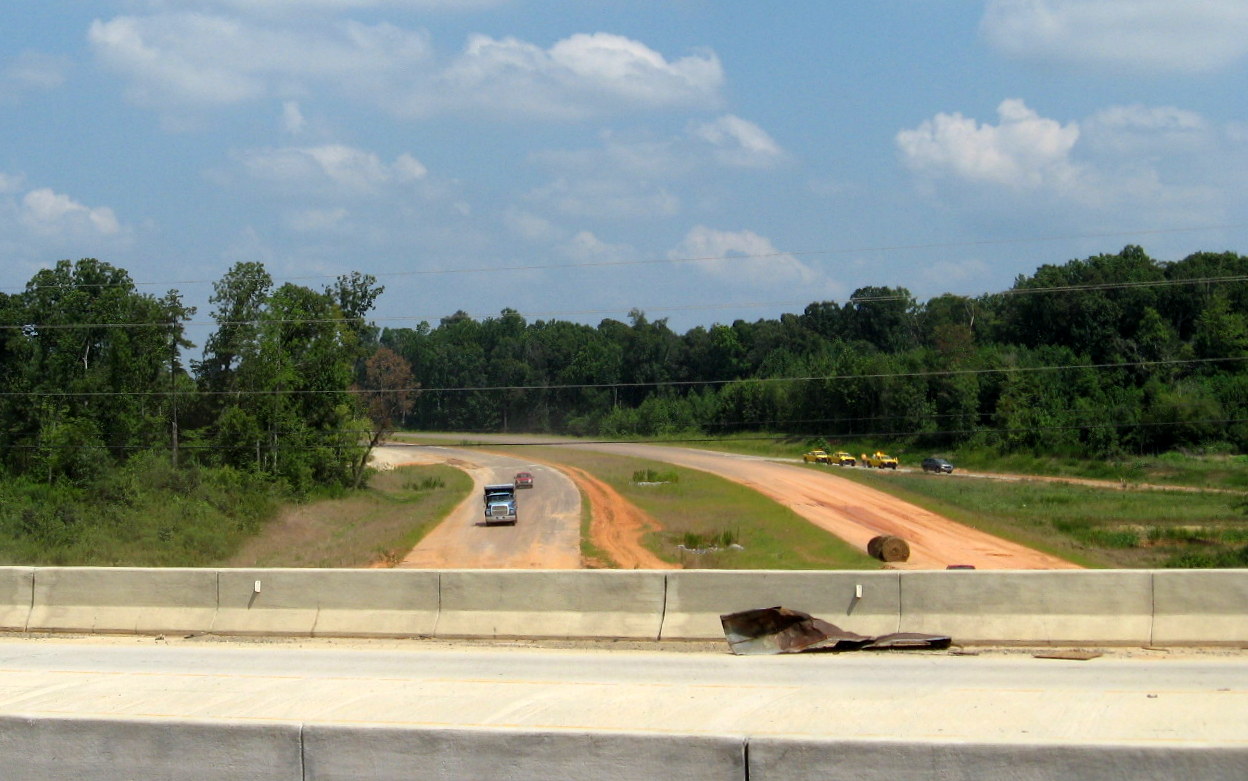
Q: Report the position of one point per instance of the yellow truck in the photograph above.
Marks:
(880, 460)
(841, 458)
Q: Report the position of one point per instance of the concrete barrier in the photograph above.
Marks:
(358, 603)
(778, 759)
(42, 749)
(1048, 607)
(340, 753)
(122, 600)
(17, 587)
(1204, 607)
(696, 599)
(563, 603)
(980, 606)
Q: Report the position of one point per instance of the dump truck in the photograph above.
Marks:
(500, 504)
(880, 460)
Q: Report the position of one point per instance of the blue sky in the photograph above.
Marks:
(700, 160)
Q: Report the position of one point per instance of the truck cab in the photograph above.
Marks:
(880, 460)
(500, 504)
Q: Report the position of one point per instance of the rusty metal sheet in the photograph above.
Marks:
(908, 640)
(780, 630)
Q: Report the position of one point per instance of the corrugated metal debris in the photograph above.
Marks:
(779, 630)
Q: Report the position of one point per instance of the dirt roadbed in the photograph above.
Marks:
(851, 511)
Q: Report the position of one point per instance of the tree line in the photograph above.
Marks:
(93, 372)
(1109, 355)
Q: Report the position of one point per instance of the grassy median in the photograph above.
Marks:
(709, 522)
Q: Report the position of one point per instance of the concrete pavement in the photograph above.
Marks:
(706, 714)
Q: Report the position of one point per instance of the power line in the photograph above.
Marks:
(865, 434)
(620, 385)
(268, 447)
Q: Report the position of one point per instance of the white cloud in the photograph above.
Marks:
(179, 60)
(746, 259)
(1024, 151)
(32, 72)
(739, 142)
(579, 76)
(1126, 35)
(529, 226)
(585, 247)
(1146, 130)
(639, 176)
(1134, 165)
(46, 212)
(625, 178)
(332, 168)
(636, 157)
(409, 169)
(40, 223)
(10, 184)
(608, 198)
(200, 60)
(292, 118)
(301, 7)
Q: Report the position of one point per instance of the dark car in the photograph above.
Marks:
(937, 465)
(523, 480)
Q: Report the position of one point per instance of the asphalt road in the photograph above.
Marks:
(995, 696)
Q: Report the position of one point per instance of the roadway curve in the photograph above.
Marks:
(547, 534)
(853, 512)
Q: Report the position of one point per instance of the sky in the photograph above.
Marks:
(702, 161)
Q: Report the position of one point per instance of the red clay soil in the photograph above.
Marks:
(616, 524)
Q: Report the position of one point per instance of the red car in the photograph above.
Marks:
(523, 480)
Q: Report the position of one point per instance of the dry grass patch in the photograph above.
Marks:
(373, 527)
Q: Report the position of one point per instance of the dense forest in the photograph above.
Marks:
(1111, 355)
(93, 374)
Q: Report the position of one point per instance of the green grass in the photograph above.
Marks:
(145, 513)
(696, 508)
(1195, 470)
(1121, 525)
(1093, 526)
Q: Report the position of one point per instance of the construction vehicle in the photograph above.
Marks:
(500, 504)
(815, 457)
(880, 460)
(841, 458)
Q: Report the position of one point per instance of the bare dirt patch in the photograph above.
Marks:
(617, 525)
(857, 513)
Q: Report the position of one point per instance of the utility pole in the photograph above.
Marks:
(173, 395)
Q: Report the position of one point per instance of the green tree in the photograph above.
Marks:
(883, 316)
(91, 354)
(239, 297)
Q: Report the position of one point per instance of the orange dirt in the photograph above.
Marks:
(616, 524)
(853, 512)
